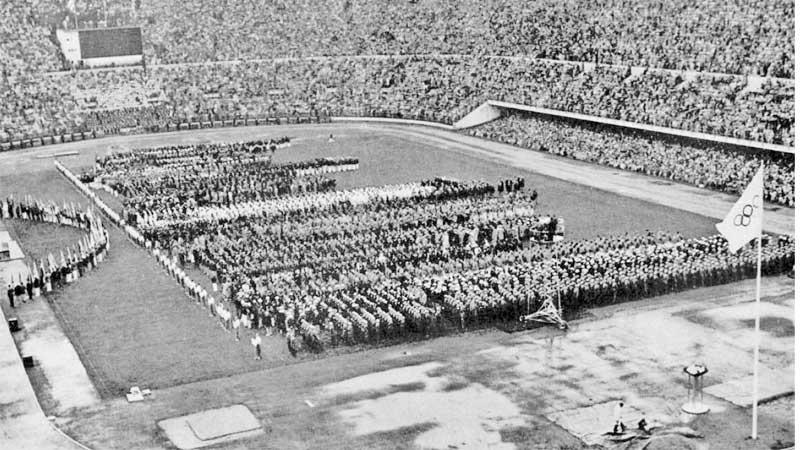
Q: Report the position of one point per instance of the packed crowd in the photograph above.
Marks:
(713, 167)
(434, 88)
(360, 65)
(43, 275)
(746, 37)
(25, 47)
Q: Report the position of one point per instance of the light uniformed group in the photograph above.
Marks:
(153, 220)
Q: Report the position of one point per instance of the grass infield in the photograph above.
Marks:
(132, 324)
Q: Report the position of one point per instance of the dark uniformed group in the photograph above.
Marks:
(343, 267)
(47, 273)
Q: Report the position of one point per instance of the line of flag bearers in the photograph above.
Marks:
(43, 275)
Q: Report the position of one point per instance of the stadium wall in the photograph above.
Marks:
(485, 113)
(397, 121)
(113, 61)
(200, 123)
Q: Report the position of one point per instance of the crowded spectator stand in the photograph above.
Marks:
(706, 166)
(56, 107)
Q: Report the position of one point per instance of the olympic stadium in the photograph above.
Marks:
(425, 224)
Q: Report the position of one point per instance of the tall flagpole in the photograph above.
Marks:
(758, 320)
(758, 339)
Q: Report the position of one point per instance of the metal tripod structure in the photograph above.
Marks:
(548, 313)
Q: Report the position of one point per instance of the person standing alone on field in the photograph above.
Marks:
(256, 341)
(11, 296)
(236, 324)
(619, 427)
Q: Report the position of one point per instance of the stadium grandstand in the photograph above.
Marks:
(368, 208)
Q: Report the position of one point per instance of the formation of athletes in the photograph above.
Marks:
(285, 252)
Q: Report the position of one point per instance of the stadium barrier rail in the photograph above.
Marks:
(196, 123)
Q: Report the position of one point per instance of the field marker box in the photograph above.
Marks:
(211, 427)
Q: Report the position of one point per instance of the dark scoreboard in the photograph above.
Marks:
(110, 42)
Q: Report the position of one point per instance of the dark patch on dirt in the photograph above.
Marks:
(489, 373)
(540, 434)
(697, 317)
(42, 389)
(455, 385)
(384, 439)
(377, 393)
(776, 326)
(571, 384)
(407, 387)
(12, 409)
(602, 350)
(629, 376)
(780, 445)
